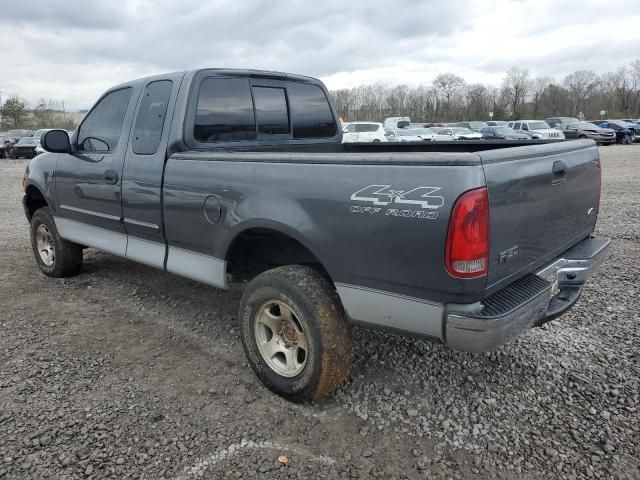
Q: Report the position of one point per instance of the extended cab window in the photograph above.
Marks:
(271, 110)
(100, 130)
(310, 112)
(224, 111)
(150, 120)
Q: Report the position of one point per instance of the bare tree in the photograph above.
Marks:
(580, 85)
(515, 88)
(538, 88)
(449, 98)
(447, 85)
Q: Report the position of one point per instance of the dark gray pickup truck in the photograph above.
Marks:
(228, 175)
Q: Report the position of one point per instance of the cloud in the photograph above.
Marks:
(73, 51)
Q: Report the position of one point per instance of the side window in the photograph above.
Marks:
(525, 126)
(310, 112)
(350, 129)
(151, 115)
(224, 111)
(100, 130)
(272, 115)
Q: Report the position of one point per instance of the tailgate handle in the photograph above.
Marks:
(559, 172)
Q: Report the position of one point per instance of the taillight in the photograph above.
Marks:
(467, 252)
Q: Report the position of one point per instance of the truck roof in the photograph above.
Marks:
(235, 72)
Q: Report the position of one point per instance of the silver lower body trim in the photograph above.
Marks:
(197, 266)
(96, 237)
(388, 310)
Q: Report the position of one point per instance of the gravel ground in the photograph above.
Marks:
(126, 372)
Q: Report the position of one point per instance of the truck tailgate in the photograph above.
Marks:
(543, 199)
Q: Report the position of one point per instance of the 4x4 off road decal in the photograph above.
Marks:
(386, 196)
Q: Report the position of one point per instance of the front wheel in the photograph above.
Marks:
(55, 256)
(295, 333)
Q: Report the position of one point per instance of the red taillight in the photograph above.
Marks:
(467, 254)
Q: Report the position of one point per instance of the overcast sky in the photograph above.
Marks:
(72, 51)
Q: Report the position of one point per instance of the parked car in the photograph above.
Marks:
(456, 133)
(363, 132)
(635, 122)
(394, 123)
(602, 136)
(403, 135)
(473, 125)
(39, 149)
(18, 134)
(497, 123)
(503, 133)
(7, 146)
(39, 133)
(466, 246)
(434, 125)
(537, 128)
(26, 147)
(424, 133)
(553, 122)
(625, 133)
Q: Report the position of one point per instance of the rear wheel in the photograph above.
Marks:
(55, 256)
(626, 140)
(295, 333)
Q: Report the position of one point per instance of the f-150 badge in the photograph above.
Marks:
(387, 196)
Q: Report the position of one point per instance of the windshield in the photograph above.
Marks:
(477, 125)
(538, 125)
(461, 130)
(28, 141)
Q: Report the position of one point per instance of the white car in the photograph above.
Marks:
(456, 133)
(537, 129)
(403, 135)
(424, 133)
(363, 132)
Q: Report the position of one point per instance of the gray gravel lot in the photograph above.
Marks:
(126, 372)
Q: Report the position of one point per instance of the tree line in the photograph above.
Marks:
(46, 114)
(449, 98)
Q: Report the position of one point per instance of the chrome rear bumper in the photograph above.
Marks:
(529, 302)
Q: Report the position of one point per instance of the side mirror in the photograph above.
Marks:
(56, 141)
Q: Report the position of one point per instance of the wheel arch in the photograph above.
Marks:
(34, 200)
(257, 246)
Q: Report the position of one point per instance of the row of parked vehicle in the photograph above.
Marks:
(21, 143)
(401, 129)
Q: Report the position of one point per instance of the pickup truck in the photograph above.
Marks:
(240, 176)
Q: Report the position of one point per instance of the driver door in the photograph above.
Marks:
(88, 181)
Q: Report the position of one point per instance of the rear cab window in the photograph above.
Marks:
(242, 111)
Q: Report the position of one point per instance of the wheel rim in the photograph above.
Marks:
(280, 338)
(44, 243)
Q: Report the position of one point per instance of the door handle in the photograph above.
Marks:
(111, 177)
(559, 172)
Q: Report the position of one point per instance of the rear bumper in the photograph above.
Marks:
(529, 302)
